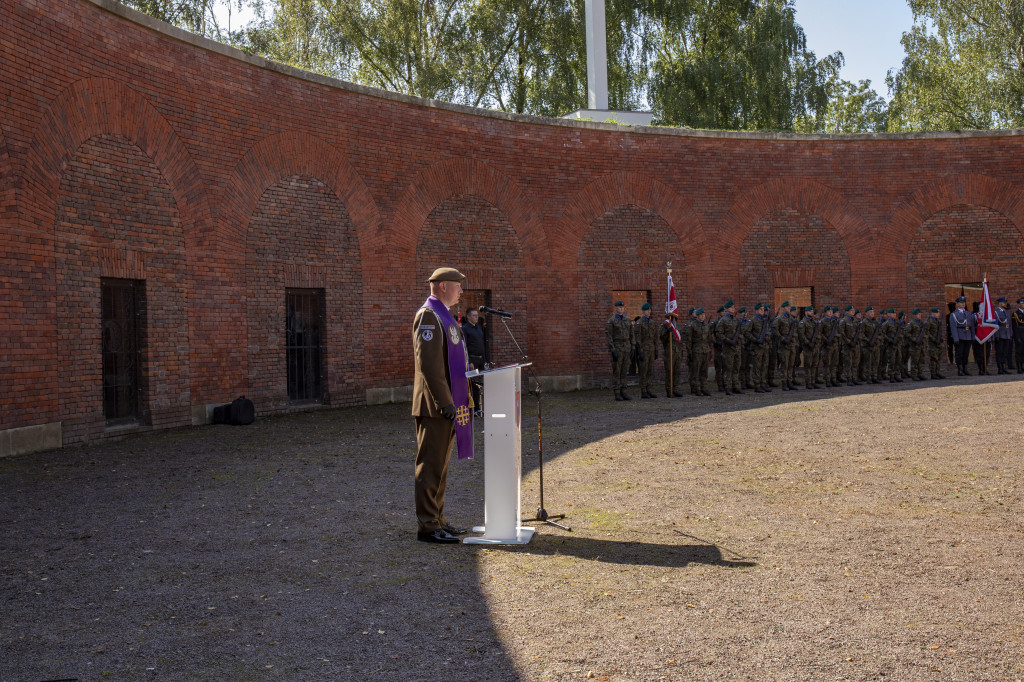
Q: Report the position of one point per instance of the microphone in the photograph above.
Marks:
(493, 311)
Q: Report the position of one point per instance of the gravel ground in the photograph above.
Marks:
(854, 533)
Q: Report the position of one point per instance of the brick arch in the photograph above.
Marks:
(631, 189)
(970, 189)
(94, 106)
(463, 176)
(310, 161)
(294, 153)
(803, 197)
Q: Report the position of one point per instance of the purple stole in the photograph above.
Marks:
(457, 361)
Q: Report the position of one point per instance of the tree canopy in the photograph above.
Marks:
(720, 64)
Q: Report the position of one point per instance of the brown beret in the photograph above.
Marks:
(447, 275)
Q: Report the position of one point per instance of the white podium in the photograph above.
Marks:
(503, 451)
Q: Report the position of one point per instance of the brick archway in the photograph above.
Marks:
(803, 199)
(316, 168)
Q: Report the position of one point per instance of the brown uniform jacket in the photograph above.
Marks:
(431, 389)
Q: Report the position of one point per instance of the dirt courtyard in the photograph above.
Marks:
(870, 533)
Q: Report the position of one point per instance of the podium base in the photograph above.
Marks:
(523, 535)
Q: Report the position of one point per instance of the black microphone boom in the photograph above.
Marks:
(493, 311)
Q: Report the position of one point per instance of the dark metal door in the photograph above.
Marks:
(304, 324)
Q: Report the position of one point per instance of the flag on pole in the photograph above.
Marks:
(670, 307)
(986, 316)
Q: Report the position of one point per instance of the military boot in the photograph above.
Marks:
(625, 396)
(618, 395)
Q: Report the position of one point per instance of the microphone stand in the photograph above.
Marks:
(542, 513)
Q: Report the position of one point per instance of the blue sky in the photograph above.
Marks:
(867, 32)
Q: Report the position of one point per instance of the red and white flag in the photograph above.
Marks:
(671, 306)
(986, 317)
(670, 302)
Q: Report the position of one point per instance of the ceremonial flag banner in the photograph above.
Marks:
(987, 323)
(671, 306)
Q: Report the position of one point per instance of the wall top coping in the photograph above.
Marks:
(200, 42)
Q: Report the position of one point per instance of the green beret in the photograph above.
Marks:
(902, 314)
(785, 304)
(721, 308)
(808, 309)
(691, 311)
(935, 310)
(758, 305)
(645, 306)
(447, 275)
(868, 308)
(728, 305)
(618, 303)
(847, 308)
(742, 310)
(915, 311)
(826, 309)
(698, 311)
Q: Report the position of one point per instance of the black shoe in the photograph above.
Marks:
(899, 380)
(618, 395)
(705, 393)
(875, 381)
(938, 376)
(625, 396)
(440, 536)
(727, 391)
(918, 378)
(453, 530)
(677, 394)
(737, 391)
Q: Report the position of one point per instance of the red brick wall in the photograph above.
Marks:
(128, 147)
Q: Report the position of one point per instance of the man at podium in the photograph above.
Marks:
(441, 403)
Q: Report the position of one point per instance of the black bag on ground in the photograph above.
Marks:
(239, 412)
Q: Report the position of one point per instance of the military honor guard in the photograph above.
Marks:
(619, 333)
(890, 365)
(934, 333)
(961, 329)
(745, 375)
(698, 351)
(810, 342)
(1017, 323)
(830, 346)
(645, 337)
(849, 330)
(727, 336)
(917, 343)
(784, 332)
(758, 340)
(1004, 336)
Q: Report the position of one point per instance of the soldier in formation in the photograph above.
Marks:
(839, 348)
(618, 331)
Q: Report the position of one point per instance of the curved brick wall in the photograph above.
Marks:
(130, 149)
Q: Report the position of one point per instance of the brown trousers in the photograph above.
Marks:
(435, 437)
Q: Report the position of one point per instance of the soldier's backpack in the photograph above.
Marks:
(239, 412)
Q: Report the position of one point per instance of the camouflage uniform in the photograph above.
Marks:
(849, 333)
(699, 349)
(918, 346)
(758, 339)
(810, 341)
(890, 339)
(933, 333)
(727, 337)
(870, 339)
(830, 350)
(619, 333)
(784, 331)
(645, 335)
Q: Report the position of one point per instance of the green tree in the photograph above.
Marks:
(195, 16)
(738, 65)
(852, 108)
(964, 67)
